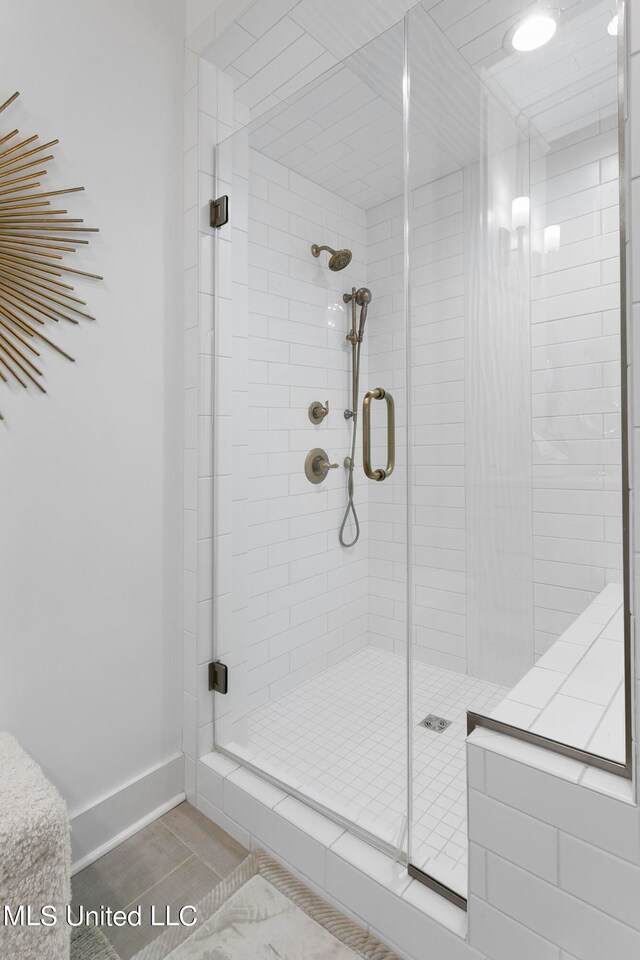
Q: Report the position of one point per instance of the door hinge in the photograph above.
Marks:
(218, 677)
(219, 211)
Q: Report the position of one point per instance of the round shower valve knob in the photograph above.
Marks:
(317, 465)
(317, 411)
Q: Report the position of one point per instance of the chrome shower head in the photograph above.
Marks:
(338, 260)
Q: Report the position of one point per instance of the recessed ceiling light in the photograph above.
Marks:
(612, 29)
(533, 32)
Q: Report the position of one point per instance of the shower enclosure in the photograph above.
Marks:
(418, 453)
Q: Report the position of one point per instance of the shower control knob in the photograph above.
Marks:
(318, 411)
(317, 465)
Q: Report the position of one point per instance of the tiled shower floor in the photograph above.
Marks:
(340, 739)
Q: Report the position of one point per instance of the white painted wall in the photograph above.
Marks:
(204, 20)
(197, 11)
(91, 474)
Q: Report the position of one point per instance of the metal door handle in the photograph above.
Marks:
(378, 394)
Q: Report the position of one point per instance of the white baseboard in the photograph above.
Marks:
(109, 821)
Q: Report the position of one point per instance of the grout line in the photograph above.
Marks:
(194, 852)
(154, 885)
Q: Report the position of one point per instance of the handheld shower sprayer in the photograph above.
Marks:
(363, 299)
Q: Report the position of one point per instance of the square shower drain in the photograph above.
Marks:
(437, 724)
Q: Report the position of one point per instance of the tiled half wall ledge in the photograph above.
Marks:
(575, 692)
(554, 855)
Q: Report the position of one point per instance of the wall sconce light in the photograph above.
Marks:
(551, 238)
(520, 213)
(519, 222)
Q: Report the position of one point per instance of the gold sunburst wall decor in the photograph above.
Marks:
(35, 243)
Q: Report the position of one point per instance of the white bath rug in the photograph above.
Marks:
(261, 912)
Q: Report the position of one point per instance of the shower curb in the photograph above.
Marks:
(260, 863)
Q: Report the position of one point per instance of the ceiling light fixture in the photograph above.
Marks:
(612, 28)
(533, 32)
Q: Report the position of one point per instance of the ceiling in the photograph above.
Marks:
(327, 102)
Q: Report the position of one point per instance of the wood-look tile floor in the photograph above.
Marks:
(174, 861)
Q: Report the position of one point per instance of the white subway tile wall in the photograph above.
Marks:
(575, 348)
(307, 594)
(437, 338)
(437, 361)
(575, 394)
(290, 600)
(555, 866)
(386, 358)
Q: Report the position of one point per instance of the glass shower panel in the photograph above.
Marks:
(310, 608)
(514, 377)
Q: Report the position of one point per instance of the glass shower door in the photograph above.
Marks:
(310, 552)
(469, 451)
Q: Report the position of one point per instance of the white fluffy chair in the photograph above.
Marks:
(35, 856)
